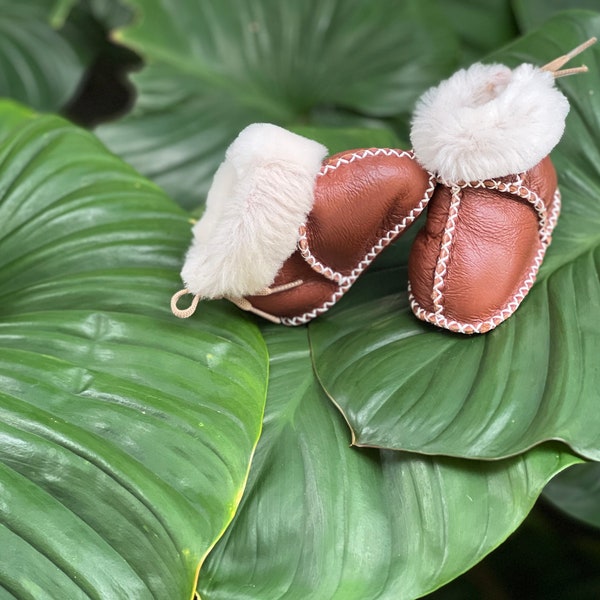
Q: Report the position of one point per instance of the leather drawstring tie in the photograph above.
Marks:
(243, 303)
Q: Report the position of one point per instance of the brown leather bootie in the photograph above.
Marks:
(486, 134)
(364, 199)
(481, 248)
(285, 235)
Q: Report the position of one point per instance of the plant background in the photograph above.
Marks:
(127, 436)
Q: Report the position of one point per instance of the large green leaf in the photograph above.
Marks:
(321, 520)
(577, 492)
(532, 13)
(38, 65)
(217, 65)
(483, 25)
(125, 434)
(111, 13)
(547, 558)
(403, 384)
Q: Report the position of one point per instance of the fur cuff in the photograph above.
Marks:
(488, 121)
(260, 195)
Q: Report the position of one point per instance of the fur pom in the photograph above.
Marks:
(488, 121)
(260, 195)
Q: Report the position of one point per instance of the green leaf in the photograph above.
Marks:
(125, 433)
(60, 11)
(176, 136)
(38, 65)
(532, 13)
(216, 66)
(546, 558)
(321, 520)
(340, 139)
(577, 493)
(403, 384)
(110, 13)
(483, 25)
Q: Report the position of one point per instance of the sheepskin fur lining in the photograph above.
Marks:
(260, 195)
(488, 121)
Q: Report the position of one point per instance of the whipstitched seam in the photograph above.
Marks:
(345, 281)
(441, 267)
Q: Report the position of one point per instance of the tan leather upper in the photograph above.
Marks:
(491, 246)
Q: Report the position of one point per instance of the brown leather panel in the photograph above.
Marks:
(425, 250)
(494, 244)
(314, 292)
(542, 180)
(357, 203)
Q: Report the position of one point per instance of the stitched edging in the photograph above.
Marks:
(515, 188)
(303, 245)
(554, 214)
(437, 318)
(345, 281)
(441, 267)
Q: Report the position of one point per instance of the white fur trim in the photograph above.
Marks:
(488, 121)
(260, 195)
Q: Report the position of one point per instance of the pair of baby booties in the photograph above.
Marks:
(286, 231)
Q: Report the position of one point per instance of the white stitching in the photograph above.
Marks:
(554, 214)
(308, 316)
(315, 263)
(370, 152)
(441, 267)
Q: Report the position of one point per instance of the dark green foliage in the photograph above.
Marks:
(137, 449)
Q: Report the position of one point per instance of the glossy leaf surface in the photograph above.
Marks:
(38, 64)
(577, 492)
(125, 434)
(322, 520)
(483, 25)
(532, 13)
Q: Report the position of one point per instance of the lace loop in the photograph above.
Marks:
(185, 312)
